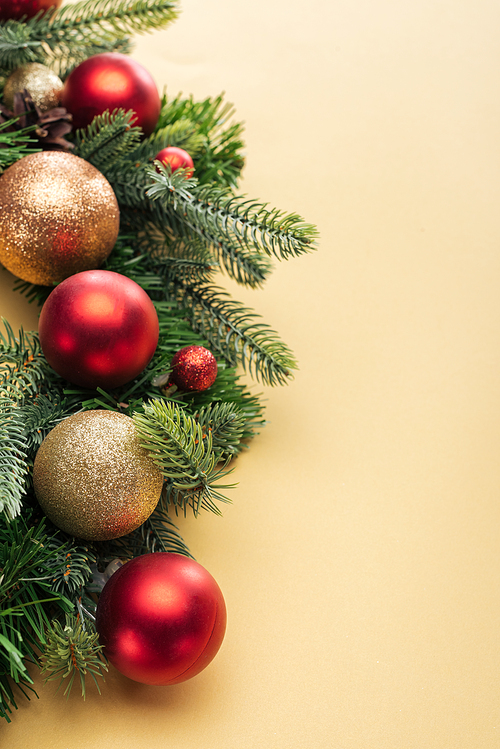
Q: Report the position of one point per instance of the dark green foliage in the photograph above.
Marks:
(63, 39)
(22, 370)
(226, 425)
(70, 565)
(13, 460)
(107, 139)
(26, 599)
(22, 365)
(73, 652)
(14, 144)
(234, 331)
(184, 453)
(206, 131)
(219, 215)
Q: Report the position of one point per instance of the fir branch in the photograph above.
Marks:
(182, 134)
(39, 416)
(25, 599)
(158, 253)
(107, 138)
(18, 45)
(234, 331)
(13, 460)
(14, 144)
(32, 292)
(219, 215)
(22, 365)
(73, 652)
(220, 158)
(80, 30)
(70, 566)
(160, 534)
(183, 453)
(93, 18)
(171, 213)
(225, 423)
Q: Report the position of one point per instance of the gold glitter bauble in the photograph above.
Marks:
(44, 85)
(58, 216)
(93, 479)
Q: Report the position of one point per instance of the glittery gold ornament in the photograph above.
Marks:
(43, 84)
(93, 479)
(58, 216)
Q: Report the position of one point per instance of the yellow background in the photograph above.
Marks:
(360, 558)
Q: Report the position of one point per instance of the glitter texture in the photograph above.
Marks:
(93, 479)
(194, 368)
(58, 216)
(44, 85)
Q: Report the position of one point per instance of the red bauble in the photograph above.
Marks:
(111, 81)
(98, 329)
(176, 158)
(161, 618)
(16, 9)
(193, 368)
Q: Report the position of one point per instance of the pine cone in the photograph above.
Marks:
(51, 126)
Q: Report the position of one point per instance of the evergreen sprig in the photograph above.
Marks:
(14, 144)
(13, 460)
(183, 452)
(77, 31)
(25, 596)
(70, 566)
(234, 331)
(225, 423)
(23, 367)
(219, 215)
(218, 151)
(107, 138)
(73, 652)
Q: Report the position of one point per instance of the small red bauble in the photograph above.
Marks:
(193, 368)
(98, 329)
(16, 9)
(176, 158)
(111, 81)
(161, 618)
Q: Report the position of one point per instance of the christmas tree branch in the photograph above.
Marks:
(79, 30)
(183, 452)
(160, 534)
(107, 138)
(93, 18)
(220, 158)
(73, 652)
(233, 331)
(25, 599)
(225, 423)
(14, 144)
(219, 215)
(244, 266)
(22, 365)
(13, 460)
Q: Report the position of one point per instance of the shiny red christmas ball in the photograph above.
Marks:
(98, 329)
(193, 368)
(111, 81)
(176, 158)
(161, 618)
(16, 9)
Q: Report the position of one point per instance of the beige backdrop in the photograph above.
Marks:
(359, 560)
